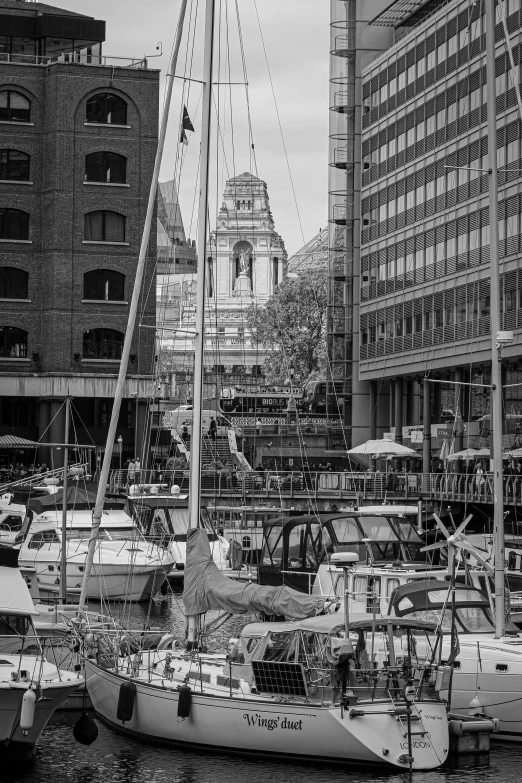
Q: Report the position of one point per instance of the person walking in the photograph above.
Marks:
(131, 472)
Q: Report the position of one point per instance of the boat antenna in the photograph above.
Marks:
(121, 383)
(496, 382)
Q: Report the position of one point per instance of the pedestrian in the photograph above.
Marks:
(131, 471)
(137, 469)
(258, 426)
(479, 476)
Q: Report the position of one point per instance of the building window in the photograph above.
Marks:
(13, 283)
(14, 165)
(104, 226)
(106, 109)
(104, 284)
(102, 344)
(14, 224)
(14, 107)
(275, 263)
(106, 167)
(13, 342)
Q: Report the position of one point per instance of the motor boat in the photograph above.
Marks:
(487, 672)
(31, 688)
(126, 565)
(162, 516)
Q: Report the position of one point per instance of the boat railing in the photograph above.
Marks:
(76, 470)
(33, 651)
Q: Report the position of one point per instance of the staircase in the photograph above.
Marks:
(212, 450)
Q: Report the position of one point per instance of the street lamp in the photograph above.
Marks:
(120, 444)
(291, 410)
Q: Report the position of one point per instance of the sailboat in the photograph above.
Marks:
(318, 687)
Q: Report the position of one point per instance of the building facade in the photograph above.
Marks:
(353, 44)
(425, 275)
(246, 261)
(78, 141)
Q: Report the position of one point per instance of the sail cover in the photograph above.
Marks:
(207, 588)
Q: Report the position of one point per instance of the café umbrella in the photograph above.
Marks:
(383, 447)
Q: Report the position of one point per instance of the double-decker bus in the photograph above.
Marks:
(316, 400)
(262, 401)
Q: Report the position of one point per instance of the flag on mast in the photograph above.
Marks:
(186, 125)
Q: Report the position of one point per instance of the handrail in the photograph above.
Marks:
(39, 478)
(75, 58)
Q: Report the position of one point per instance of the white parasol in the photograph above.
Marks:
(382, 447)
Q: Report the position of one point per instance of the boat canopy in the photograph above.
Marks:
(333, 623)
(207, 588)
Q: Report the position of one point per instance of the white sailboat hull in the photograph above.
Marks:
(257, 726)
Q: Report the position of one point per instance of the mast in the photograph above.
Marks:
(63, 564)
(199, 343)
(496, 376)
(133, 310)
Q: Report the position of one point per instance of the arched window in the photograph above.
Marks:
(14, 107)
(14, 224)
(104, 226)
(102, 344)
(105, 167)
(13, 342)
(14, 165)
(13, 283)
(106, 109)
(275, 262)
(104, 284)
(210, 277)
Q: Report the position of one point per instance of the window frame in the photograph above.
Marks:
(116, 281)
(105, 166)
(104, 240)
(10, 178)
(8, 107)
(7, 211)
(102, 122)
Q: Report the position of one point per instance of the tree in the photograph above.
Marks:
(291, 328)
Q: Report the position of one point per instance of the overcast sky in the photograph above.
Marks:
(296, 37)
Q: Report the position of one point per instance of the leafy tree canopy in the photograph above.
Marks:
(291, 327)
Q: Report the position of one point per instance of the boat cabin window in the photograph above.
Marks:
(37, 540)
(280, 647)
(273, 546)
(10, 522)
(470, 619)
(304, 547)
(104, 534)
(13, 625)
(346, 535)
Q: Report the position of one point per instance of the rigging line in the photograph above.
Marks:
(279, 122)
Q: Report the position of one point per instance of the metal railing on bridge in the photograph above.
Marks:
(347, 485)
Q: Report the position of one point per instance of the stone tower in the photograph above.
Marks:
(246, 260)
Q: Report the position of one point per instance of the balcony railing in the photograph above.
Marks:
(74, 57)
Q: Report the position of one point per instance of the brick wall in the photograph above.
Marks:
(57, 201)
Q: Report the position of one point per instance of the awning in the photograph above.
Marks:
(14, 442)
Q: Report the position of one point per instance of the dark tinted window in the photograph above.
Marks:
(13, 342)
(14, 165)
(13, 283)
(14, 224)
(105, 167)
(106, 108)
(102, 344)
(14, 107)
(104, 226)
(104, 284)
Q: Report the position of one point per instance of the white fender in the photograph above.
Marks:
(28, 710)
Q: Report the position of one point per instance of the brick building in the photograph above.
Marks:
(78, 140)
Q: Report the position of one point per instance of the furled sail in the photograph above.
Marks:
(207, 588)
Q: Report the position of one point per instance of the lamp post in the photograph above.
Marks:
(120, 444)
(291, 410)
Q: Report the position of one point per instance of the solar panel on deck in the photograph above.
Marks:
(284, 679)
